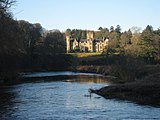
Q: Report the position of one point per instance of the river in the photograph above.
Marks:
(67, 99)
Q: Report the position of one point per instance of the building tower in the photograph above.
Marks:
(90, 35)
(68, 44)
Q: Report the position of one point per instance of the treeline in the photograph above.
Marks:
(26, 47)
(22, 37)
(82, 34)
(145, 44)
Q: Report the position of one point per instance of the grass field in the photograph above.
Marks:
(80, 55)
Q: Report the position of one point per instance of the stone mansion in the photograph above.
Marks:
(86, 45)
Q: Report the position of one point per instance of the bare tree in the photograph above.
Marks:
(5, 4)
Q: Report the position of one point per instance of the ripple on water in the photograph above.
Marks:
(67, 101)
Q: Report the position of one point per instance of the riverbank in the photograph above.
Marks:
(132, 79)
(143, 90)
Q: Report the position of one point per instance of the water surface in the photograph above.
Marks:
(61, 100)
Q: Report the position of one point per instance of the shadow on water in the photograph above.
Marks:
(64, 76)
(7, 104)
(67, 78)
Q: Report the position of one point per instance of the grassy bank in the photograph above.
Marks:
(143, 90)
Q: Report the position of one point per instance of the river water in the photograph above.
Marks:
(67, 99)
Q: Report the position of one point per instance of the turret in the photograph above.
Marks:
(90, 35)
(68, 44)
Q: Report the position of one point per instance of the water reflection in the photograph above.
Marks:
(88, 79)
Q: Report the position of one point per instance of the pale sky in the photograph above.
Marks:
(89, 14)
